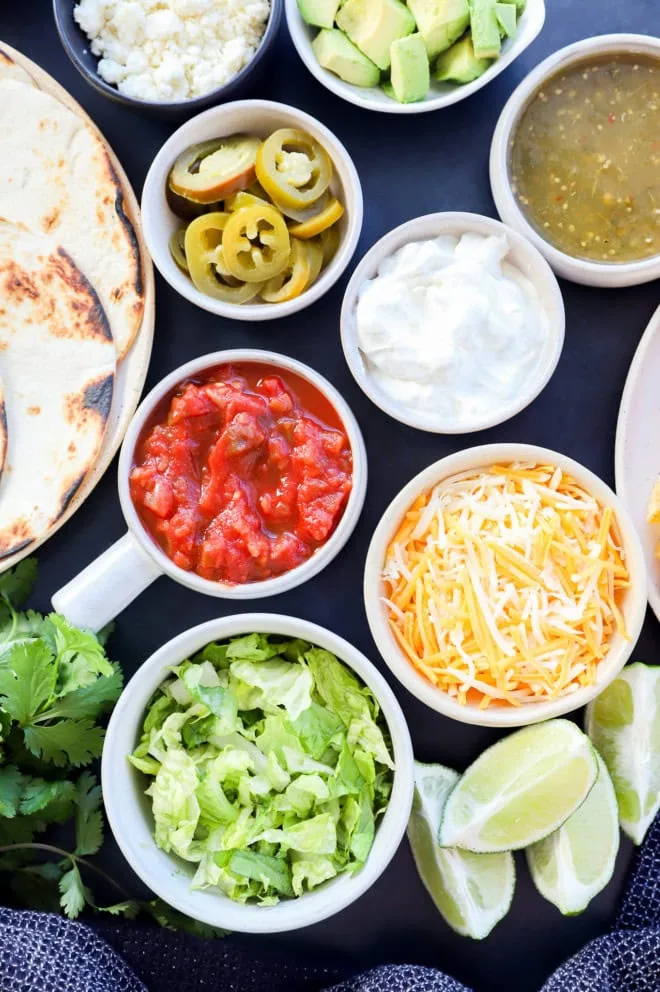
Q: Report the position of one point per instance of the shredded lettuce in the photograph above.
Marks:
(269, 767)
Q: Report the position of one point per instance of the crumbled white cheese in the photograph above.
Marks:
(171, 50)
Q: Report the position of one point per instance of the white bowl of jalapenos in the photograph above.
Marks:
(252, 210)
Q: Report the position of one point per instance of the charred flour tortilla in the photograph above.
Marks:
(57, 363)
(56, 179)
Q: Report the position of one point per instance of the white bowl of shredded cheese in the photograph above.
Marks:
(505, 585)
(452, 323)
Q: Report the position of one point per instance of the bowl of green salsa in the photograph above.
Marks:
(575, 160)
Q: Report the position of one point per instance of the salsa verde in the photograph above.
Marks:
(585, 159)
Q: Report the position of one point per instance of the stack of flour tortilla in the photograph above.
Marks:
(71, 303)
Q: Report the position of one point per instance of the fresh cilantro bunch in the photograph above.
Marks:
(56, 683)
(56, 686)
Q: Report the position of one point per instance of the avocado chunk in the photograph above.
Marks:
(506, 18)
(440, 22)
(518, 4)
(387, 88)
(373, 25)
(459, 64)
(410, 73)
(334, 51)
(485, 29)
(320, 13)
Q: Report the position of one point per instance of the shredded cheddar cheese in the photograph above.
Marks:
(503, 585)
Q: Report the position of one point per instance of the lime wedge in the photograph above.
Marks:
(573, 864)
(520, 789)
(624, 725)
(472, 891)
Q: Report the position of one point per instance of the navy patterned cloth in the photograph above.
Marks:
(41, 952)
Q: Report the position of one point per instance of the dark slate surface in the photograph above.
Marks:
(408, 166)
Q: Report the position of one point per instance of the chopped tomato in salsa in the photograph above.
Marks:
(241, 475)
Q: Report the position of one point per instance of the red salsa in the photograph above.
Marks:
(242, 473)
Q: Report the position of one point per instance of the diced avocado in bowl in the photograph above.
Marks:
(485, 29)
(373, 25)
(440, 22)
(337, 53)
(459, 64)
(506, 18)
(410, 76)
(407, 48)
(319, 13)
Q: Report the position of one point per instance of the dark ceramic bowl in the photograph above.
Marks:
(77, 46)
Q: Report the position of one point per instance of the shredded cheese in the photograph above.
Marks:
(503, 586)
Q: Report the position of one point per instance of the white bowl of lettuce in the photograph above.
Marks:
(410, 56)
(258, 773)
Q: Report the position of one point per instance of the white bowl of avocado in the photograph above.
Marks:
(408, 57)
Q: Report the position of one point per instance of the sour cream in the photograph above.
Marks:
(450, 329)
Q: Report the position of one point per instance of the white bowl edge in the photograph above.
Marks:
(522, 255)
(166, 875)
(588, 273)
(258, 117)
(634, 607)
(373, 98)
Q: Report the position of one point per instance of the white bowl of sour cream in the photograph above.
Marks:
(452, 323)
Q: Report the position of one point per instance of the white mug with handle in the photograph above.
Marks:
(103, 589)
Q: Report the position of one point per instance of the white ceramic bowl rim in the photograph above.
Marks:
(323, 555)
(473, 458)
(603, 273)
(536, 270)
(127, 810)
(372, 98)
(212, 121)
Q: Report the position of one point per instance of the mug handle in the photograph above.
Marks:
(103, 589)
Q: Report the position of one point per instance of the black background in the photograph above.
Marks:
(409, 165)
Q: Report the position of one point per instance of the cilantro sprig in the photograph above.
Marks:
(56, 686)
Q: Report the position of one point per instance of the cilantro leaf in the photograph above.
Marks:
(18, 626)
(52, 800)
(27, 679)
(87, 701)
(20, 829)
(130, 908)
(73, 742)
(73, 893)
(51, 871)
(80, 655)
(17, 584)
(89, 820)
(11, 783)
